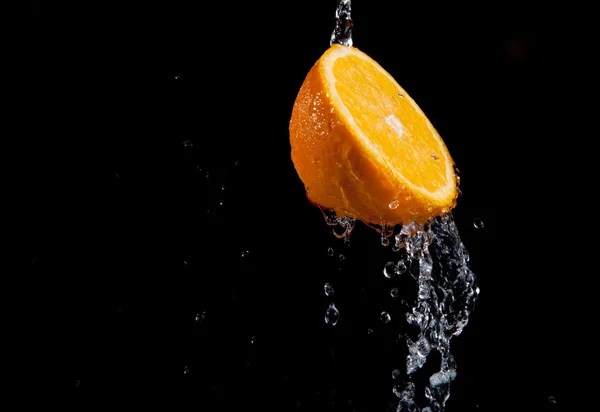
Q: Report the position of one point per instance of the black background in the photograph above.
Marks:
(133, 118)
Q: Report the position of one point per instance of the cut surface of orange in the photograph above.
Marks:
(363, 147)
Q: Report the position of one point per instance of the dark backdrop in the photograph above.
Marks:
(170, 252)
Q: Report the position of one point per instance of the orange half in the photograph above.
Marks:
(364, 148)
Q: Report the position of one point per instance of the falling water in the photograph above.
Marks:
(447, 292)
(434, 255)
(342, 33)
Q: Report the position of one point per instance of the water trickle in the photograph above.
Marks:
(385, 317)
(478, 223)
(328, 289)
(341, 227)
(342, 33)
(332, 315)
(444, 301)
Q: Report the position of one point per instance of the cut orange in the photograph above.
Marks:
(363, 148)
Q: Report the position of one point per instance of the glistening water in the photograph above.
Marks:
(434, 256)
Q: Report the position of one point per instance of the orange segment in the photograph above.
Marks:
(364, 148)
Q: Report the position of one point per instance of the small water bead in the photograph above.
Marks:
(370, 331)
(245, 253)
(200, 316)
(328, 289)
(330, 252)
(394, 204)
(236, 163)
(185, 264)
(177, 76)
(188, 143)
(252, 340)
(396, 374)
(394, 293)
(223, 188)
(385, 317)
(77, 383)
(389, 270)
(342, 258)
(552, 400)
(434, 157)
(186, 370)
(478, 223)
(332, 315)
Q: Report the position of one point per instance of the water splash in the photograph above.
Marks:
(342, 33)
(341, 227)
(447, 292)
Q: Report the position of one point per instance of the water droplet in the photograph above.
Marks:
(328, 289)
(397, 390)
(245, 253)
(430, 209)
(400, 95)
(396, 374)
(223, 188)
(188, 143)
(118, 311)
(330, 252)
(385, 317)
(552, 400)
(237, 163)
(200, 316)
(477, 290)
(332, 315)
(252, 340)
(394, 204)
(478, 223)
(342, 258)
(186, 370)
(370, 331)
(394, 293)
(401, 267)
(207, 175)
(434, 157)
(185, 264)
(177, 76)
(221, 203)
(117, 176)
(389, 270)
